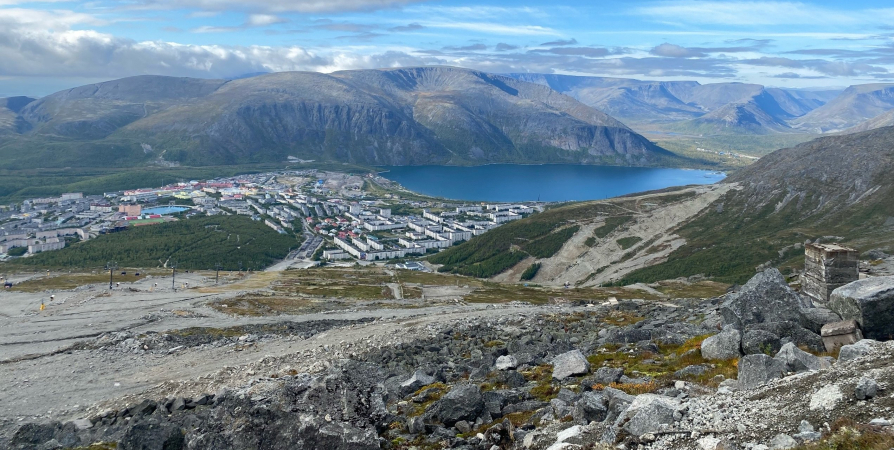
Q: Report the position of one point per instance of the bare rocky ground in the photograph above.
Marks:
(161, 370)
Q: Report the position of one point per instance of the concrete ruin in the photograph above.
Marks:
(826, 268)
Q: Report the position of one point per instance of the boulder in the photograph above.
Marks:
(766, 297)
(153, 435)
(607, 375)
(792, 332)
(570, 364)
(693, 371)
(463, 402)
(760, 341)
(856, 350)
(838, 334)
(646, 414)
(419, 380)
(814, 318)
(756, 370)
(797, 360)
(866, 388)
(870, 302)
(782, 442)
(592, 407)
(618, 401)
(724, 345)
(506, 362)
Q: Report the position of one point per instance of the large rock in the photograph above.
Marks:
(870, 302)
(724, 345)
(797, 360)
(152, 435)
(760, 341)
(607, 375)
(463, 402)
(419, 380)
(592, 407)
(814, 318)
(506, 362)
(856, 350)
(766, 297)
(792, 332)
(755, 370)
(646, 414)
(570, 364)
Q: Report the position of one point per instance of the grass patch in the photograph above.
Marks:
(848, 435)
(611, 224)
(628, 242)
(530, 272)
(701, 289)
(71, 281)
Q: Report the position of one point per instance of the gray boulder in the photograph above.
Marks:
(866, 388)
(607, 375)
(570, 364)
(618, 401)
(797, 360)
(760, 341)
(792, 332)
(646, 414)
(416, 382)
(766, 297)
(153, 435)
(592, 407)
(782, 442)
(724, 345)
(756, 370)
(814, 318)
(506, 362)
(870, 302)
(463, 402)
(855, 350)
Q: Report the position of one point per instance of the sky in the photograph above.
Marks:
(52, 45)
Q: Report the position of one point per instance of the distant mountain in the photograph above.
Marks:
(10, 121)
(855, 105)
(725, 108)
(735, 118)
(430, 115)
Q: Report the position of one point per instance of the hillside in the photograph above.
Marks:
(431, 115)
(831, 186)
(11, 122)
(885, 119)
(855, 105)
(735, 118)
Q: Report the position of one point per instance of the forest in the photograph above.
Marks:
(234, 242)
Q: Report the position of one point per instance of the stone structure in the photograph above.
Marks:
(826, 268)
(839, 334)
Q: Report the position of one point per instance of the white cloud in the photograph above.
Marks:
(495, 28)
(278, 6)
(759, 13)
(262, 20)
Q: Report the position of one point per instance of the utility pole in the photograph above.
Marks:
(173, 275)
(217, 277)
(111, 266)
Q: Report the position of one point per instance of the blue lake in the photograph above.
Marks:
(164, 210)
(549, 182)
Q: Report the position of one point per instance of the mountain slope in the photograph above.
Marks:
(855, 105)
(10, 121)
(736, 118)
(831, 186)
(430, 115)
(677, 102)
(885, 119)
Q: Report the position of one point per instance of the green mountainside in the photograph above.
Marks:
(430, 115)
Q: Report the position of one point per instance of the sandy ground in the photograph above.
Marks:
(45, 378)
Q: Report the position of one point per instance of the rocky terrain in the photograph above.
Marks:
(744, 370)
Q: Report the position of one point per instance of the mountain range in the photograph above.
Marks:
(430, 115)
(724, 108)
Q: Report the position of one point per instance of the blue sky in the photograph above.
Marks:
(51, 45)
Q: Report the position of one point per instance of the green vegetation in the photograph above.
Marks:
(17, 251)
(628, 242)
(611, 224)
(197, 243)
(530, 272)
(849, 435)
(540, 235)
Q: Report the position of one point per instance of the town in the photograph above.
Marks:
(342, 216)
